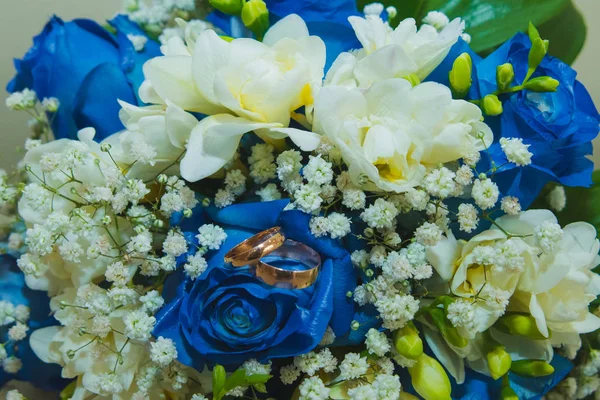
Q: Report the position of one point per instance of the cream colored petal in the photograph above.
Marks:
(443, 256)
(537, 313)
(305, 140)
(40, 342)
(211, 53)
(292, 27)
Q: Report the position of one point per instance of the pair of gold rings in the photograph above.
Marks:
(257, 251)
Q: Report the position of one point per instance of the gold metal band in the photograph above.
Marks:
(289, 279)
(251, 250)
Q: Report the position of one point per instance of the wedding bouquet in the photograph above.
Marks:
(297, 200)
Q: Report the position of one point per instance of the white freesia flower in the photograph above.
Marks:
(392, 53)
(392, 134)
(488, 264)
(557, 293)
(243, 84)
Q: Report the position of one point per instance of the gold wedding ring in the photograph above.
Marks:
(251, 250)
(268, 247)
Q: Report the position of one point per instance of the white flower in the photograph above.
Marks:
(7, 311)
(485, 193)
(211, 236)
(118, 273)
(461, 314)
(12, 365)
(440, 182)
(195, 266)
(418, 199)
(152, 301)
(396, 267)
(22, 313)
(312, 362)
(14, 395)
(138, 41)
(319, 226)
(110, 383)
(353, 366)
(389, 137)
(289, 374)
(354, 199)
(377, 342)
(308, 199)
(380, 214)
(557, 198)
(269, 193)
(387, 387)
(279, 75)
(328, 337)
(235, 182)
(163, 351)
(389, 53)
(318, 171)
(175, 244)
(21, 100)
(288, 164)
(428, 234)
(338, 225)
(437, 19)
(516, 152)
(138, 325)
(363, 392)
(548, 235)
(374, 9)
(397, 310)
(313, 389)
(464, 175)
(467, 217)
(510, 205)
(18, 332)
(224, 198)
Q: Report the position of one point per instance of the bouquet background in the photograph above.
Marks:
(447, 322)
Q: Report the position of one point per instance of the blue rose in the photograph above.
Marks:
(227, 316)
(87, 68)
(14, 290)
(559, 126)
(326, 19)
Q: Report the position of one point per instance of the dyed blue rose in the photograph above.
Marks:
(87, 69)
(14, 290)
(227, 316)
(326, 19)
(559, 126)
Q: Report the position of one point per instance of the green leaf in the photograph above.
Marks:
(492, 22)
(258, 378)
(238, 378)
(218, 381)
(567, 32)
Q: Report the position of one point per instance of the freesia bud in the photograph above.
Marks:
(408, 342)
(508, 393)
(449, 332)
(219, 375)
(460, 75)
(105, 147)
(231, 7)
(430, 379)
(499, 362)
(532, 368)
(542, 84)
(492, 105)
(505, 74)
(519, 325)
(539, 48)
(255, 17)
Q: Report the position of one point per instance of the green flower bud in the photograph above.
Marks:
(413, 79)
(491, 105)
(542, 84)
(408, 342)
(255, 17)
(449, 332)
(505, 74)
(430, 379)
(499, 362)
(460, 75)
(508, 393)
(532, 368)
(539, 48)
(218, 378)
(231, 7)
(519, 325)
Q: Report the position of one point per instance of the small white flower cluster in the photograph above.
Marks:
(210, 237)
(159, 13)
(8, 193)
(14, 318)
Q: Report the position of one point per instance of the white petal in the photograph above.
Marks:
(292, 27)
(537, 312)
(213, 143)
(443, 256)
(448, 358)
(148, 94)
(40, 342)
(179, 125)
(210, 54)
(306, 140)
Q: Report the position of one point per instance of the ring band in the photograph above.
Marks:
(290, 279)
(251, 250)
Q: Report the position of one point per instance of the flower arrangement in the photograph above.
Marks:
(415, 174)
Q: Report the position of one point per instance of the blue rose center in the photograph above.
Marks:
(243, 316)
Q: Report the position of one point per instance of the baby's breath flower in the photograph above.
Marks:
(485, 193)
(510, 205)
(515, 151)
